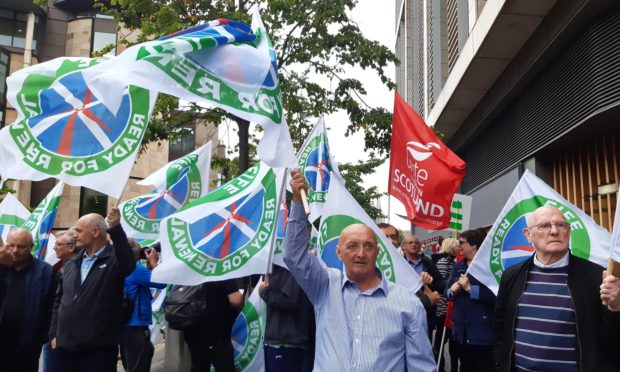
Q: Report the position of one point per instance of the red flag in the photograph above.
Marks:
(424, 173)
(448, 322)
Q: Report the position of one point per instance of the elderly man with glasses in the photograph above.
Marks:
(549, 314)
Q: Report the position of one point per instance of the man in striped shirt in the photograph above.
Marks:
(549, 315)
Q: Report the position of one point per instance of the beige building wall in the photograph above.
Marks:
(79, 33)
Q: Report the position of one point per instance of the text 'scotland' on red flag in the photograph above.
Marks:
(424, 172)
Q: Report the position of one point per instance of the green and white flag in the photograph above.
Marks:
(247, 334)
(12, 214)
(223, 235)
(176, 184)
(221, 64)
(615, 236)
(316, 163)
(505, 245)
(41, 221)
(64, 131)
(340, 211)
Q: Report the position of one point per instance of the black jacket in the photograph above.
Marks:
(88, 315)
(290, 315)
(598, 329)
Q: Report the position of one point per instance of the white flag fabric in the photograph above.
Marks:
(247, 334)
(340, 211)
(158, 296)
(222, 64)
(505, 245)
(223, 234)
(615, 236)
(176, 184)
(316, 162)
(12, 214)
(41, 221)
(64, 131)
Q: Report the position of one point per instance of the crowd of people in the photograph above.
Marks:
(553, 312)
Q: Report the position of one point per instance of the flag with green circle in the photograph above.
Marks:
(316, 162)
(225, 234)
(12, 214)
(176, 184)
(505, 244)
(63, 130)
(342, 210)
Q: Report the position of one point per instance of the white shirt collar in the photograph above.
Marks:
(559, 263)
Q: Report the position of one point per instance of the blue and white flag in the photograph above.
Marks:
(316, 162)
(176, 184)
(247, 334)
(505, 244)
(221, 64)
(224, 235)
(64, 131)
(41, 221)
(340, 211)
(12, 214)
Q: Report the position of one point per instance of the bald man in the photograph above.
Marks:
(86, 322)
(364, 322)
(549, 314)
(26, 312)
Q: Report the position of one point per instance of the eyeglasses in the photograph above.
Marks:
(61, 244)
(461, 242)
(546, 226)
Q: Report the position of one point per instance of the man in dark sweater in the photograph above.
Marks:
(549, 314)
(290, 323)
(86, 322)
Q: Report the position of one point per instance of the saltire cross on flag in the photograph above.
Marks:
(316, 163)
(41, 221)
(247, 334)
(424, 172)
(222, 64)
(342, 210)
(12, 214)
(64, 131)
(176, 184)
(505, 244)
(224, 235)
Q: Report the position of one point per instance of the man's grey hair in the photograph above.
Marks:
(410, 235)
(70, 233)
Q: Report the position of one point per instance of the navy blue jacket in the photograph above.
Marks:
(472, 314)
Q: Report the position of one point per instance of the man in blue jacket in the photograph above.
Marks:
(26, 313)
(136, 347)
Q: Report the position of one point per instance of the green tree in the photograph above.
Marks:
(316, 41)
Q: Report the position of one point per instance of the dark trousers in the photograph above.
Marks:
(476, 358)
(282, 359)
(205, 352)
(51, 359)
(91, 360)
(12, 360)
(454, 359)
(136, 349)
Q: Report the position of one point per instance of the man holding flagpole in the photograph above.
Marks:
(364, 322)
(549, 314)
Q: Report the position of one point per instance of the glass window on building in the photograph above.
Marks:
(182, 145)
(103, 39)
(92, 201)
(13, 29)
(5, 57)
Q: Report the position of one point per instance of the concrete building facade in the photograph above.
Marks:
(73, 28)
(515, 85)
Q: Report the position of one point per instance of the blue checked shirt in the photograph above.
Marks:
(382, 329)
(87, 263)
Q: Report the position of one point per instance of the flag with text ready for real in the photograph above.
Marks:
(340, 211)
(225, 234)
(64, 131)
(40, 224)
(176, 184)
(505, 244)
(248, 332)
(222, 64)
(424, 172)
(316, 163)
(12, 214)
